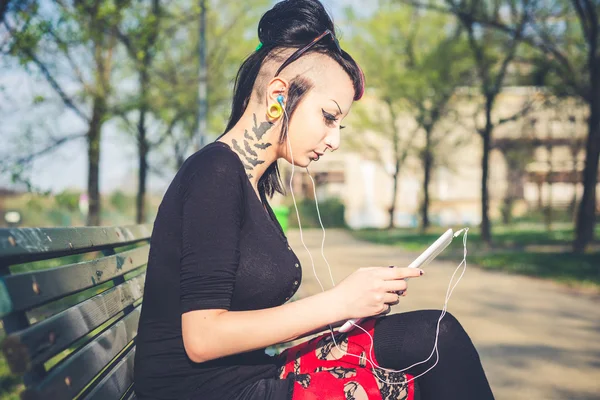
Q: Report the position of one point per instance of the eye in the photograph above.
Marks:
(330, 119)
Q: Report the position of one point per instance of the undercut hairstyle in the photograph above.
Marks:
(290, 24)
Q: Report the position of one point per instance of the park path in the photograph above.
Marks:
(537, 340)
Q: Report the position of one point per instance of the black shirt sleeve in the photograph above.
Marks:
(212, 214)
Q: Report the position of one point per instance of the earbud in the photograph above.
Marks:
(280, 99)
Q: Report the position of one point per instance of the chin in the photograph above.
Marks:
(301, 162)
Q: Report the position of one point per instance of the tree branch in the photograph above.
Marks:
(545, 44)
(56, 143)
(521, 113)
(585, 27)
(50, 79)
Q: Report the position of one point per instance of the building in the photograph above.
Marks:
(536, 160)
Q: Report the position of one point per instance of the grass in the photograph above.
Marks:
(523, 249)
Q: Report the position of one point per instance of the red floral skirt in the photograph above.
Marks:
(321, 371)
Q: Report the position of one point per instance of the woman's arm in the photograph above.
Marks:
(319, 330)
(211, 334)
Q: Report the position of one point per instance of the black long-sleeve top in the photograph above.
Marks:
(213, 246)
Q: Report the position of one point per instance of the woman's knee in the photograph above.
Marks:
(450, 327)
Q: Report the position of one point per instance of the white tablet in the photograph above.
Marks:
(425, 258)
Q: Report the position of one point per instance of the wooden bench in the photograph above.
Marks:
(71, 320)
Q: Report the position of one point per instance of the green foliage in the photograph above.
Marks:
(558, 49)
(35, 204)
(67, 200)
(413, 61)
(120, 201)
(527, 250)
(580, 269)
(230, 37)
(331, 211)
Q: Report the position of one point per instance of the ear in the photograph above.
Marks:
(276, 87)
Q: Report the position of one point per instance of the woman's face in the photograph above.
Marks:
(315, 125)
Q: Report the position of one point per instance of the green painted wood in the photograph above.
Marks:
(72, 375)
(33, 289)
(130, 395)
(6, 306)
(117, 382)
(19, 245)
(42, 341)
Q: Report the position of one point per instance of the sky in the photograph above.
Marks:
(66, 168)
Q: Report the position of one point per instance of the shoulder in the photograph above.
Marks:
(215, 165)
(215, 156)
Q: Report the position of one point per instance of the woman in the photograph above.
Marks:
(220, 270)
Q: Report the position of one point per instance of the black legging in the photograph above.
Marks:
(401, 340)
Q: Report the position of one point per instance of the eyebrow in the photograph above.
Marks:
(336, 103)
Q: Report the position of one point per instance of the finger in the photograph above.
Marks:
(390, 298)
(395, 285)
(400, 273)
(386, 311)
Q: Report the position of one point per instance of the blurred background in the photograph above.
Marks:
(476, 113)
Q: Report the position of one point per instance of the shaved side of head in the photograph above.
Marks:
(314, 69)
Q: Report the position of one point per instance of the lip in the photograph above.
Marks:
(318, 155)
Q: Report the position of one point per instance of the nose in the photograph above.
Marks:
(332, 141)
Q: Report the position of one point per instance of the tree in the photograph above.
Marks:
(72, 45)
(436, 66)
(418, 75)
(375, 44)
(567, 34)
(140, 38)
(230, 37)
(161, 41)
(379, 119)
(492, 55)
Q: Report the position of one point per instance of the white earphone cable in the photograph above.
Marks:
(449, 290)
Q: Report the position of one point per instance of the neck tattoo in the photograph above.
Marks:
(252, 158)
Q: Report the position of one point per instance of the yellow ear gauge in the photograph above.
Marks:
(275, 111)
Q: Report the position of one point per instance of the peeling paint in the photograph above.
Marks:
(30, 239)
(120, 262)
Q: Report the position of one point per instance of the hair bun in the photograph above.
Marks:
(293, 23)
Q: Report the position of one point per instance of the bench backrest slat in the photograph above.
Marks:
(74, 373)
(19, 245)
(33, 289)
(117, 382)
(44, 340)
(69, 333)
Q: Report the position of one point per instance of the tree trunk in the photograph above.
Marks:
(93, 139)
(586, 218)
(427, 165)
(507, 210)
(486, 234)
(398, 159)
(142, 150)
(143, 145)
(143, 169)
(573, 204)
(392, 208)
(548, 209)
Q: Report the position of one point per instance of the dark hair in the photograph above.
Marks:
(289, 24)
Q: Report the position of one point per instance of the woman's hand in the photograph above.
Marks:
(371, 291)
